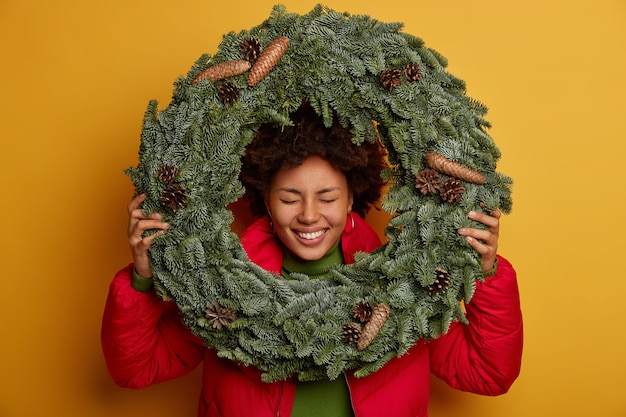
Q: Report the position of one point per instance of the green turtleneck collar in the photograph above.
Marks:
(314, 269)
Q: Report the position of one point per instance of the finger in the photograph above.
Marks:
(140, 245)
(136, 202)
(138, 215)
(483, 218)
(139, 227)
(477, 245)
(486, 252)
(492, 221)
(485, 236)
(147, 241)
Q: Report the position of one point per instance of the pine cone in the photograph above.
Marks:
(219, 316)
(391, 78)
(173, 197)
(228, 93)
(250, 48)
(223, 70)
(268, 60)
(167, 173)
(452, 168)
(428, 181)
(441, 283)
(451, 190)
(380, 313)
(362, 311)
(412, 72)
(351, 332)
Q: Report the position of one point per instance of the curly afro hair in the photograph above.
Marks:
(274, 148)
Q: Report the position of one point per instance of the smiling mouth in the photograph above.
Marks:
(311, 236)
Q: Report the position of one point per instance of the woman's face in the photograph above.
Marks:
(308, 205)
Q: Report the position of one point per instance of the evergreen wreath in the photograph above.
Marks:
(386, 85)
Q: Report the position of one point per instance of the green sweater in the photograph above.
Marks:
(318, 398)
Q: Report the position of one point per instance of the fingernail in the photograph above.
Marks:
(462, 230)
(469, 238)
(471, 213)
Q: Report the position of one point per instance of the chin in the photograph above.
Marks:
(308, 256)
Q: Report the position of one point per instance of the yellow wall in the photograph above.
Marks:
(75, 77)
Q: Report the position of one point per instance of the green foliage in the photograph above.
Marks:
(334, 61)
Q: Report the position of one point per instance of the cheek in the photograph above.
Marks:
(281, 215)
(337, 216)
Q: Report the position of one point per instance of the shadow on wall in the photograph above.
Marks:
(445, 401)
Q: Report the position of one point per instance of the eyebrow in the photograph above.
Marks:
(298, 192)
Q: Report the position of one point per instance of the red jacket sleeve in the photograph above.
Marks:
(143, 338)
(485, 356)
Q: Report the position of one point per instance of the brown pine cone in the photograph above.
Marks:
(454, 169)
(268, 60)
(362, 311)
(219, 316)
(250, 48)
(173, 197)
(167, 173)
(451, 190)
(380, 313)
(428, 181)
(228, 93)
(441, 283)
(390, 78)
(351, 332)
(412, 72)
(223, 70)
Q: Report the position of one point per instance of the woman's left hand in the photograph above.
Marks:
(485, 242)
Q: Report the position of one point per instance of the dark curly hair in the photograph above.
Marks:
(274, 148)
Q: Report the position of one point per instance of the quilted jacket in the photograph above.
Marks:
(145, 342)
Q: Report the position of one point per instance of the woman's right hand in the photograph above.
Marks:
(138, 223)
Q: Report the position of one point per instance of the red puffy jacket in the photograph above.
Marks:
(144, 342)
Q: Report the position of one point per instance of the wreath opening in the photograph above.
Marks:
(388, 86)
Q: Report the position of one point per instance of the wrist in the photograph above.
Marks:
(492, 271)
(142, 265)
(139, 282)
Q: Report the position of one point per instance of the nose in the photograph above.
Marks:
(309, 213)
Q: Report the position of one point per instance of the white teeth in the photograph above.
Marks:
(311, 236)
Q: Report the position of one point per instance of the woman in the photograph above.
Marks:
(310, 188)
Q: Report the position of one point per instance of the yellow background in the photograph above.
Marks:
(75, 78)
